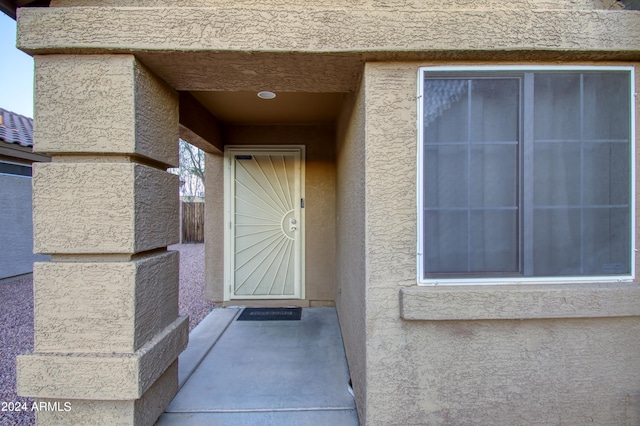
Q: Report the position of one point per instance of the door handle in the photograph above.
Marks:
(293, 226)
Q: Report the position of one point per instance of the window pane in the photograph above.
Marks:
(606, 241)
(494, 244)
(581, 174)
(606, 174)
(557, 106)
(606, 106)
(445, 110)
(471, 175)
(556, 242)
(445, 171)
(557, 173)
(494, 110)
(446, 238)
(494, 176)
(582, 242)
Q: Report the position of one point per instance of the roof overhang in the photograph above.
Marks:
(10, 7)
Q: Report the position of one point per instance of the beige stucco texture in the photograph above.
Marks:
(102, 376)
(327, 29)
(103, 208)
(366, 4)
(116, 306)
(351, 275)
(214, 227)
(514, 302)
(114, 106)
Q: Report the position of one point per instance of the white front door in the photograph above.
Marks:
(265, 238)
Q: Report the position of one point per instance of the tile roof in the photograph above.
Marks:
(16, 128)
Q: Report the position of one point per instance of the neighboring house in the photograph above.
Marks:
(458, 178)
(16, 158)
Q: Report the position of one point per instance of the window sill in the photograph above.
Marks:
(519, 302)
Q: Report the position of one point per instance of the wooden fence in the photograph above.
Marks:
(192, 222)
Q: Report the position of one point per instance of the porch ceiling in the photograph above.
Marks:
(286, 107)
(254, 71)
(309, 88)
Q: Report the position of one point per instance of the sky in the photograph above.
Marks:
(16, 71)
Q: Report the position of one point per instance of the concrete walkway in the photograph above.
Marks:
(264, 373)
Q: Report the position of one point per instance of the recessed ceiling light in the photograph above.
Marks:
(265, 94)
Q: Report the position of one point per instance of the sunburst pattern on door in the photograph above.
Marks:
(265, 225)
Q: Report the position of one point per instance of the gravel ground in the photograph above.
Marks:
(16, 337)
(191, 301)
(16, 323)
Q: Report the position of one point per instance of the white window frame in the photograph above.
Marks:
(422, 73)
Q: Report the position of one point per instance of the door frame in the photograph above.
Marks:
(229, 152)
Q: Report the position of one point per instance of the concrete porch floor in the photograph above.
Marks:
(263, 373)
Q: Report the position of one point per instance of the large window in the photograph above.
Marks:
(525, 174)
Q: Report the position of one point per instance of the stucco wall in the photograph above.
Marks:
(365, 4)
(16, 226)
(214, 227)
(380, 32)
(492, 371)
(319, 141)
(351, 294)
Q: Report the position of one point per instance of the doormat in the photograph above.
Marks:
(270, 314)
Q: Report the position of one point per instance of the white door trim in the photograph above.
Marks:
(229, 234)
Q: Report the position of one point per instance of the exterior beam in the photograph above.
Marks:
(198, 126)
(377, 32)
(321, 50)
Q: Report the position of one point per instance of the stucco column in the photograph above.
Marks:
(214, 226)
(107, 330)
